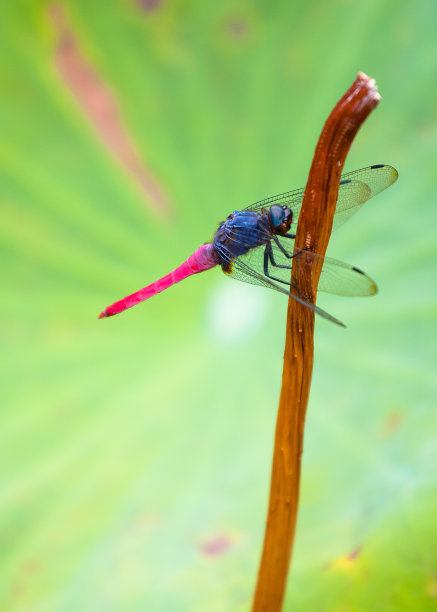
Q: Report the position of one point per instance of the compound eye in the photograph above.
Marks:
(277, 215)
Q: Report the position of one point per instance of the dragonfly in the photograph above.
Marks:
(256, 245)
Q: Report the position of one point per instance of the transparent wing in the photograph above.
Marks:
(246, 273)
(243, 272)
(341, 278)
(355, 189)
(359, 186)
(337, 277)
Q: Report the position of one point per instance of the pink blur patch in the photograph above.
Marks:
(355, 554)
(392, 422)
(216, 546)
(100, 107)
(237, 28)
(23, 583)
(149, 5)
(345, 562)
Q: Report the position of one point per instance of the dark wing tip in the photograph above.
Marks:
(373, 286)
(358, 270)
(395, 172)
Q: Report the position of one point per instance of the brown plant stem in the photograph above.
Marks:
(313, 232)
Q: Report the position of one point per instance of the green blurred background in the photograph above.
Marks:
(135, 451)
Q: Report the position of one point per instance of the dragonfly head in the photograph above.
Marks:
(280, 218)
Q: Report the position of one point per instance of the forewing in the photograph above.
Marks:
(355, 189)
(377, 177)
(359, 186)
(292, 199)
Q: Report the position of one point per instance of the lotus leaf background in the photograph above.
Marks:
(135, 451)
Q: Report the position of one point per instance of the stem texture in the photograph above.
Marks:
(313, 232)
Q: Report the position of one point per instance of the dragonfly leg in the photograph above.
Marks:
(284, 251)
(292, 236)
(273, 261)
(268, 255)
(281, 248)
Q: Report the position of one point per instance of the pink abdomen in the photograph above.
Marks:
(204, 258)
